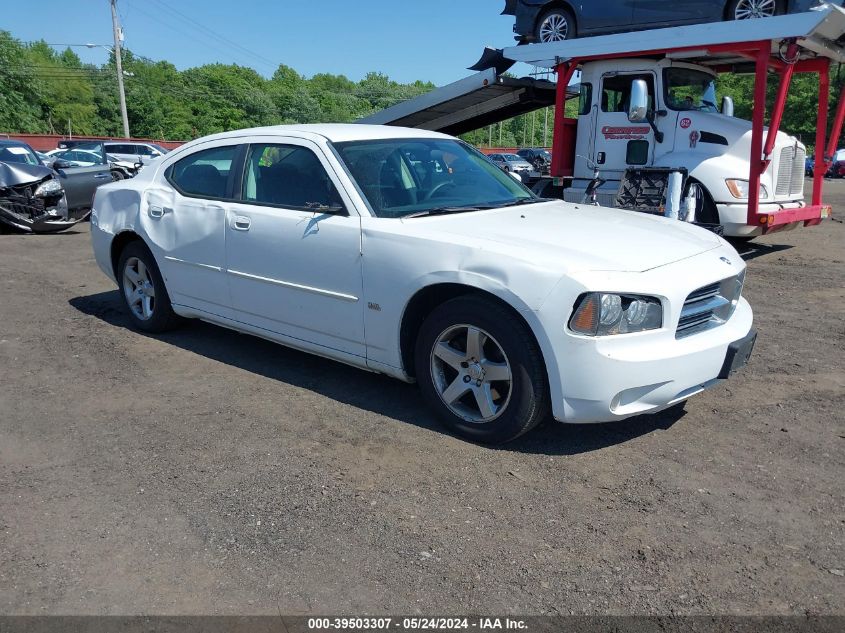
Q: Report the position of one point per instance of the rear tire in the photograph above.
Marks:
(555, 25)
(750, 9)
(143, 291)
(480, 369)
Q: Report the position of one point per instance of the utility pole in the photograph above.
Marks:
(119, 64)
(546, 129)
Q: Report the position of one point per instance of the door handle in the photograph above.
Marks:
(103, 175)
(241, 223)
(158, 212)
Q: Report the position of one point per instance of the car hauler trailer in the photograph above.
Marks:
(749, 177)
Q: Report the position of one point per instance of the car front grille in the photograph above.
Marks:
(790, 180)
(710, 306)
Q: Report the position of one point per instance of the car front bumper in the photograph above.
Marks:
(608, 378)
(632, 377)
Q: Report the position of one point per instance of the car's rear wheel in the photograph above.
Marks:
(481, 370)
(143, 290)
(555, 25)
(750, 9)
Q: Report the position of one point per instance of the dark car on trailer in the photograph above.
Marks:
(556, 20)
(539, 157)
(41, 199)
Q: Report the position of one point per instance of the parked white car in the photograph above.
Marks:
(408, 253)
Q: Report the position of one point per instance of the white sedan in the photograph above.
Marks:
(409, 253)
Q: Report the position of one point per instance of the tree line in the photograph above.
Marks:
(46, 91)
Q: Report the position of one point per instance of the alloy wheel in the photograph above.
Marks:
(748, 9)
(138, 289)
(471, 373)
(555, 28)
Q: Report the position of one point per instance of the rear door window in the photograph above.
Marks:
(204, 174)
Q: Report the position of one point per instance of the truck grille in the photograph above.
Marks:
(790, 181)
(710, 306)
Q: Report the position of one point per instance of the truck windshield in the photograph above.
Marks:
(416, 177)
(688, 89)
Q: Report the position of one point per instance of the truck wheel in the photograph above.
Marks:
(143, 291)
(480, 369)
(749, 9)
(556, 25)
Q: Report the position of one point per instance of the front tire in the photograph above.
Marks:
(143, 290)
(555, 25)
(480, 369)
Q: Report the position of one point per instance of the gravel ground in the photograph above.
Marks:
(207, 472)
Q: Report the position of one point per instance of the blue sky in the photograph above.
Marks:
(432, 40)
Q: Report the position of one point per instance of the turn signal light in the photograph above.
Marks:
(586, 317)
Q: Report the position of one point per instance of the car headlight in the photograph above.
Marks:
(739, 189)
(604, 314)
(48, 188)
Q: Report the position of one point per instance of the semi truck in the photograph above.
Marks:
(648, 99)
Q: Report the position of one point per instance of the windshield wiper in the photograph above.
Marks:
(466, 209)
(516, 202)
(447, 211)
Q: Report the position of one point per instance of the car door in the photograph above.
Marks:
(662, 13)
(184, 216)
(293, 248)
(81, 182)
(603, 15)
(620, 144)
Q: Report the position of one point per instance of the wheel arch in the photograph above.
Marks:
(119, 243)
(556, 4)
(426, 299)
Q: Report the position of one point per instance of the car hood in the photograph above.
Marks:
(577, 237)
(13, 174)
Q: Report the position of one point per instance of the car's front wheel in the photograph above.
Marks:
(143, 291)
(555, 25)
(750, 9)
(480, 369)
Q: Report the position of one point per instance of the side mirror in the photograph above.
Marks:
(727, 106)
(638, 104)
(61, 163)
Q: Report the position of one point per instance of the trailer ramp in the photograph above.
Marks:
(482, 99)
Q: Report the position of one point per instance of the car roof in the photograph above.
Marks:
(6, 142)
(335, 132)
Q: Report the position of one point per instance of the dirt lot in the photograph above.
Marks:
(207, 472)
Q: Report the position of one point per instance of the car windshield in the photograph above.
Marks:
(514, 157)
(18, 154)
(688, 89)
(416, 177)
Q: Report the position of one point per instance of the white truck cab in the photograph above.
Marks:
(648, 100)
(689, 129)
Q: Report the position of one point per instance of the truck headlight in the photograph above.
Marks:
(48, 188)
(739, 189)
(605, 314)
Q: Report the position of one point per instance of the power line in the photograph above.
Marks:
(217, 35)
(213, 38)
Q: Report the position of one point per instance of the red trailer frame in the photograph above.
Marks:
(760, 52)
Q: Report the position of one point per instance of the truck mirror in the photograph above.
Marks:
(727, 106)
(638, 104)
